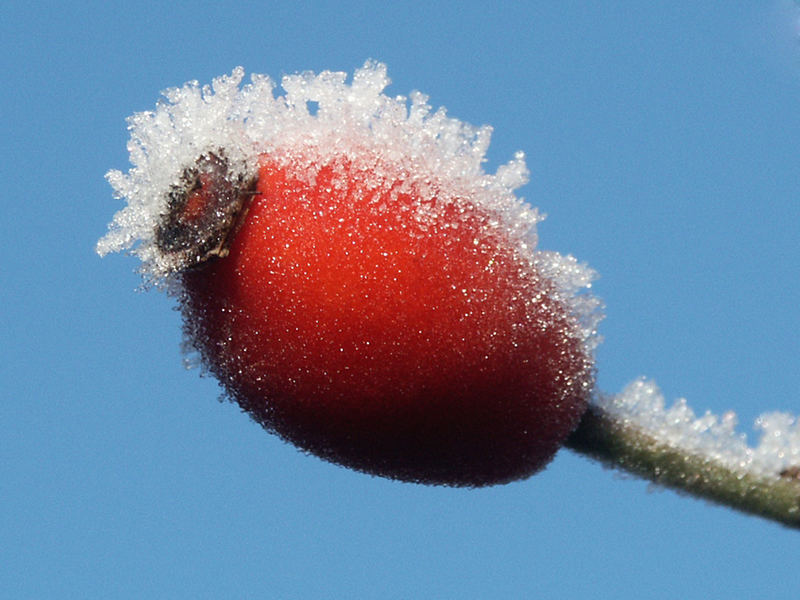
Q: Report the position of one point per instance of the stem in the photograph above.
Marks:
(623, 444)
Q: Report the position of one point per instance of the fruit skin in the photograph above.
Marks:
(407, 339)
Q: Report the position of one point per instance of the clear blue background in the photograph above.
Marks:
(663, 144)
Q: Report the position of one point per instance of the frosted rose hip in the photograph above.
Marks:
(355, 279)
(410, 341)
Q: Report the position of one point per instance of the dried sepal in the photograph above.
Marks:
(203, 211)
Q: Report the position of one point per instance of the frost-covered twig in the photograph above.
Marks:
(703, 456)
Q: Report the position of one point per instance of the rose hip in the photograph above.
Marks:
(405, 338)
(354, 278)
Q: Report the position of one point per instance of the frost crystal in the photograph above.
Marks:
(321, 116)
(710, 437)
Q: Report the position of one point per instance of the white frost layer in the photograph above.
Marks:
(641, 404)
(321, 116)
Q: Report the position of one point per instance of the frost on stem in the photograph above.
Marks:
(704, 456)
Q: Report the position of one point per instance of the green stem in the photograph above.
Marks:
(620, 443)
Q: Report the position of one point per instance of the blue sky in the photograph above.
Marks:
(662, 143)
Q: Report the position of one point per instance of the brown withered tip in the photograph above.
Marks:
(204, 211)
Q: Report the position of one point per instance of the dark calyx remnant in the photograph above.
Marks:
(791, 473)
(204, 211)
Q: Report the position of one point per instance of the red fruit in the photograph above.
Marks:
(408, 338)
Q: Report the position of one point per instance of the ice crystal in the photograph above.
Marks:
(710, 437)
(318, 117)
